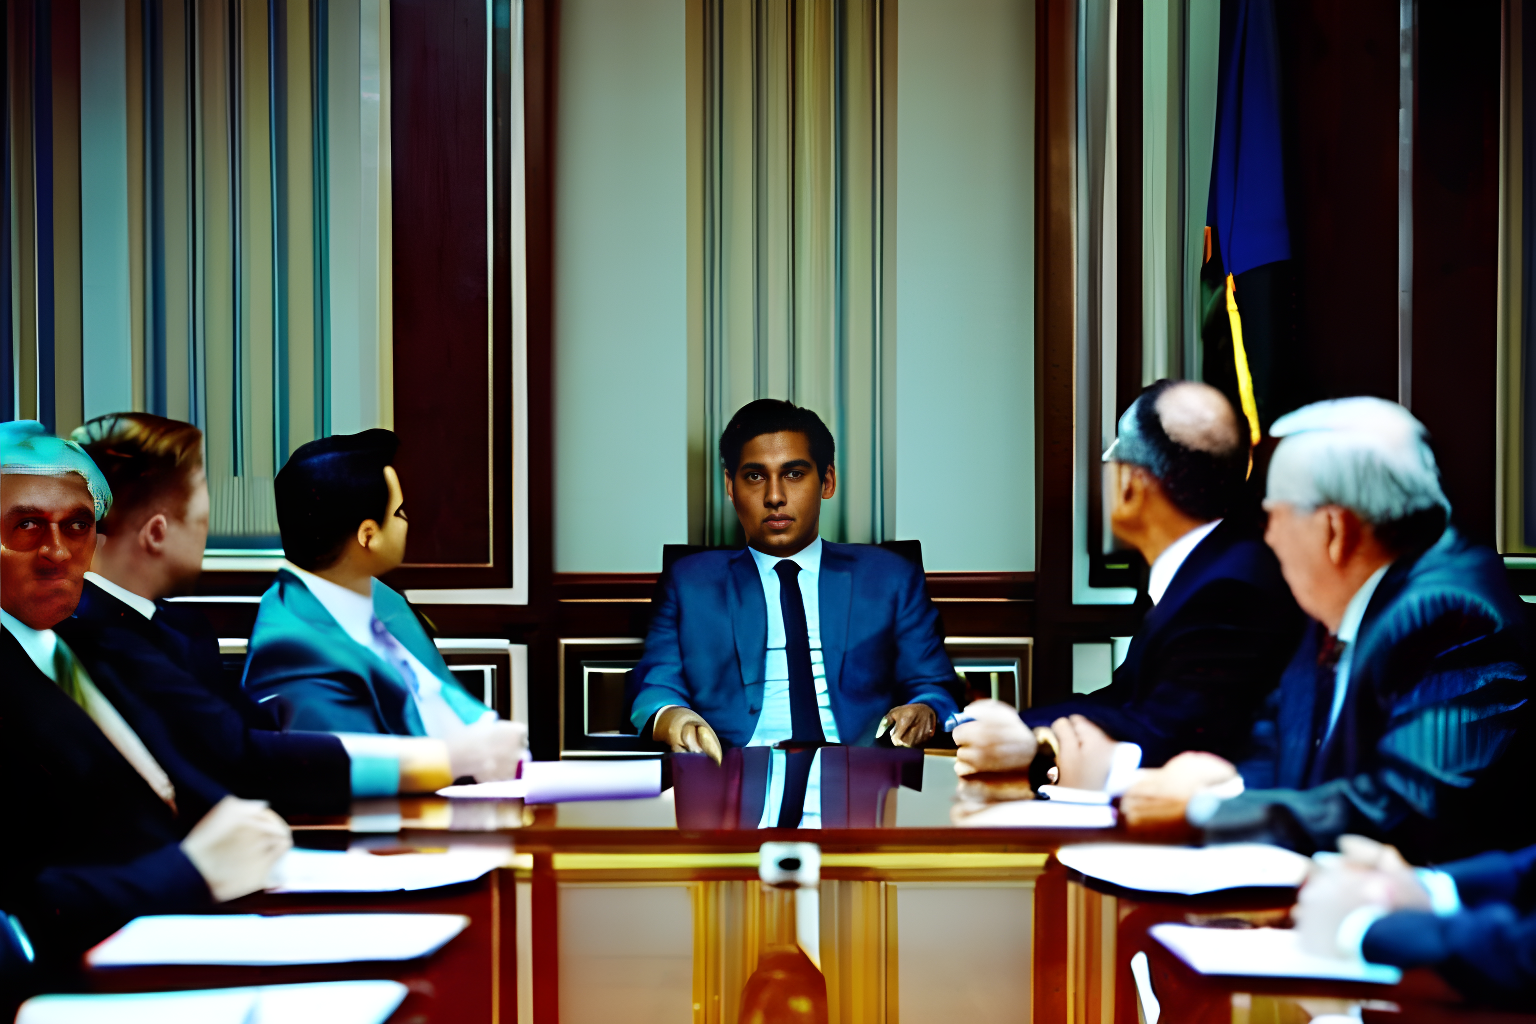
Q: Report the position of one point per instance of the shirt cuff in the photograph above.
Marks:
(1203, 805)
(375, 764)
(658, 715)
(1124, 762)
(1351, 935)
(386, 765)
(1444, 900)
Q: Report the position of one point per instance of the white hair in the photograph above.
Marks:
(1366, 454)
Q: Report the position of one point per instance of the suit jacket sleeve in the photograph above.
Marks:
(658, 680)
(1496, 877)
(1435, 781)
(238, 746)
(312, 692)
(923, 671)
(1488, 952)
(66, 910)
(1207, 679)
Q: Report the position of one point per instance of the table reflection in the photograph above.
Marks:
(751, 787)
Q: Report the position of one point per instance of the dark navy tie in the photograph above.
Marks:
(804, 716)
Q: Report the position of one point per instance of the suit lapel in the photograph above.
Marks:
(1298, 703)
(834, 595)
(393, 705)
(1361, 658)
(749, 618)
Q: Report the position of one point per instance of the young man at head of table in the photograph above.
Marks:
(794, 638)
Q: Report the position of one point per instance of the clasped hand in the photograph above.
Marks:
(996, 748)
(1366, 873)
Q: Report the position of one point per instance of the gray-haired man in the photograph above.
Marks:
(1399, 716)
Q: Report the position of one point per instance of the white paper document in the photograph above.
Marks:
(1263, 953)
(1187, 870)
(257, 940)
(361, 871)
(327, 1002)
(1042, 814)
(550, 782)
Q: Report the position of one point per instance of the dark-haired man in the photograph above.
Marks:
(336, 649)
(1221, 627)
(794, 640)
(150, 547)
(113, 821)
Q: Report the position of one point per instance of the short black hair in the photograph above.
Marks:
(1203, 485)
(328, 489)
(772, 416)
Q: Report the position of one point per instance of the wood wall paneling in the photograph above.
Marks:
(541, 34)
(1343, 179)
(452, 360)
(1455, 250)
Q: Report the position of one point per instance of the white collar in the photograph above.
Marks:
(38, 643)
(807, 558)
(351, 610)
(1354, 612)
(1166, 566)
(143, 605)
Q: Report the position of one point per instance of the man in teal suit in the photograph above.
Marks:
(335, 648)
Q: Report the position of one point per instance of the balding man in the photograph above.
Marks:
(1221, 627)
(1399, 718)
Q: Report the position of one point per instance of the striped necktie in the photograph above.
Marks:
(72, 678)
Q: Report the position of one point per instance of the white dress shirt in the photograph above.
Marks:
(1166, 565)
(354, 613)
(1349, 628)
(774, 723)
(143, 605)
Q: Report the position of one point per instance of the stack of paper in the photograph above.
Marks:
(550, 782)
(329, 1002)
(1187, 870)
(254, 940)
(1042, 814)
(1263, 953)
(361, 871)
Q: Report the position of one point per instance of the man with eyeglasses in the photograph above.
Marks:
(335, 649)
(1219, 630)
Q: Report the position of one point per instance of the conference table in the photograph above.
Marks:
(610, 911)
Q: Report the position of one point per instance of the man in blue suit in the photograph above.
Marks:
(1473, 920)
(334, 649)
(1221, 627)
(1401, 714)
(794, 639)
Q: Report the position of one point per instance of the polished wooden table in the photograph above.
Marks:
(610, 912)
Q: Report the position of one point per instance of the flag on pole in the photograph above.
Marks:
(1247, 209)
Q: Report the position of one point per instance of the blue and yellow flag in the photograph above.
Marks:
(1247, 210)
